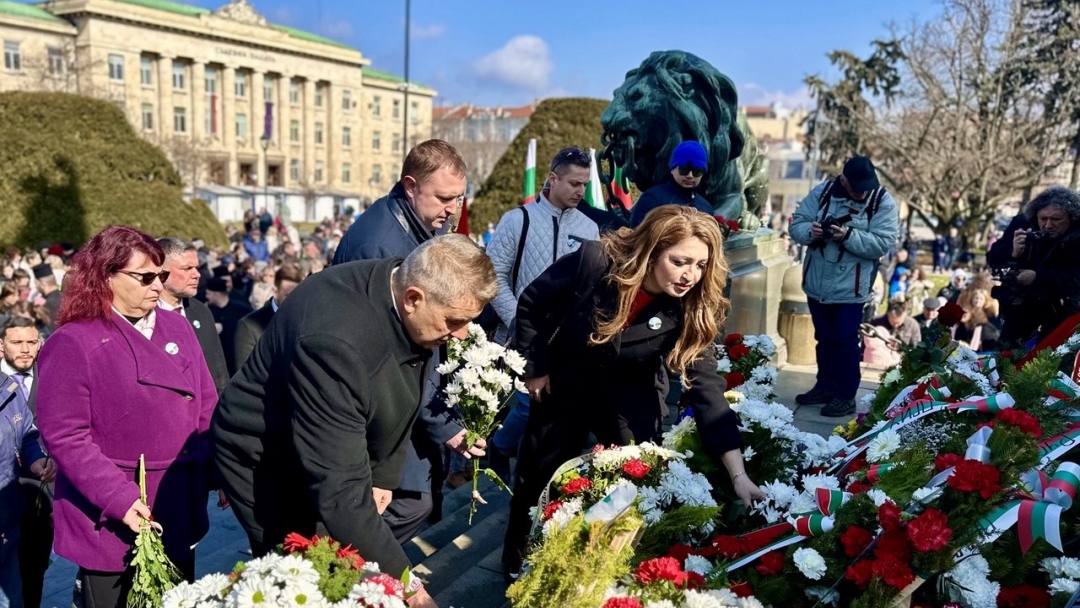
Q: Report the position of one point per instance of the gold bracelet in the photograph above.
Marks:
(737, 475)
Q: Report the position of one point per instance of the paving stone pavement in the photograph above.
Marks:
(463, 561)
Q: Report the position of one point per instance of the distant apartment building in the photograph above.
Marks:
(480, 134)
(781, 136)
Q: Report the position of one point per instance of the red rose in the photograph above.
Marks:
(732, 340)
(738, 352)
(550, 509)
(622, 602)
(860, 573)
(772, 563)
(740, 588)
(950, 314)
(1021, 420)
(944, 461)
(1024, 596)
(929, 531)
(855, 540)
(733, 380)
(576, 486)
(858, 487)
(660, 569)
(636, 468)
(391, 585)
(893, 544)
(889, 515)
(895, 573)
(728, 546)
(974, 476)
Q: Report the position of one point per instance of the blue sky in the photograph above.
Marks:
(510, 52)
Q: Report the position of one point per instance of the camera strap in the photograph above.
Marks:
(872, 205)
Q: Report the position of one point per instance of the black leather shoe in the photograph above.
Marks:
(814, 396)
(511, 573)
(838, 408)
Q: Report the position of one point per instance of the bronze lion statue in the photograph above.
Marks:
(675, 96)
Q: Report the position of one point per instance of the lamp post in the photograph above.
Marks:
(265, 141)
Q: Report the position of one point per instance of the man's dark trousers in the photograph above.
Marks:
(836, 329)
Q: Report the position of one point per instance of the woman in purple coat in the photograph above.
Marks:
(121, 378)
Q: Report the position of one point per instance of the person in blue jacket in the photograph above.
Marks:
(20, 454)
(688, 164)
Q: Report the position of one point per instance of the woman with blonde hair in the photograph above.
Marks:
(599, 327)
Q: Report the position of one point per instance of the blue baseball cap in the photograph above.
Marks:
(690, 153)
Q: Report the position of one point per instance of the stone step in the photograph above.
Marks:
(444, 568)
(481, 586)
(456, 518)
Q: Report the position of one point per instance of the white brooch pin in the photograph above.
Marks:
(172, 348)
(654, 323)
(196, 324)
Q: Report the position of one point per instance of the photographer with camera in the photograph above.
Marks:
(848, 223)
(1037, 263)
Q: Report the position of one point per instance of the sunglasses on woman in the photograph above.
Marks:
(688, 170)
(147, 278)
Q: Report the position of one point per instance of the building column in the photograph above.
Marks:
(308, 113)
(165, 100)
(284, 117)
(258, 119)
(228, 121)
(199, 107)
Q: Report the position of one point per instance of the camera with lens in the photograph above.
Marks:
(1034, 242)
(1006, 289)
(827, 225)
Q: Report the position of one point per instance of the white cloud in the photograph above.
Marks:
(337, 29)
(751, 94)
(523, 63)
(427, 32)
(283, 16)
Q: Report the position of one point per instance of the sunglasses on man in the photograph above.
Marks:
(571, 156)
(690, 170)
(147, 278)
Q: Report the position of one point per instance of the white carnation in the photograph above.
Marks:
(924, 495)
(810, 563)
(723, 366)
(1063, 585)
(697, 565)
(446, 367)
(883, 446)
(811, 483)
(562, 515)
(877, 496)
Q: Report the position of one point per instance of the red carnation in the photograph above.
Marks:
(894, 572)
(1021, 420)
(576, 486)
(741, 588)
(893, 544)
(772, 563)
(660, 569)
(734, 379)
(733, 225)
(732, 340)
(860, 573)
(1006, 354)
(1023, 596)
(550, 509)
(636, 468)
(391, 585)
(855, 540)
(680, 551)
(950, 314)
(858, 487)
(295, 542)
(622, 602)
(974, 476)
(889, 515)
(738, 351)
(944, 461)
(929, 531)
(728, 546)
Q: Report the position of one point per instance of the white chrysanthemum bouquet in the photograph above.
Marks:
(483, 378)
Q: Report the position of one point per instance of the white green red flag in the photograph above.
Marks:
(594, 192)
(529, 192)
(620, 186)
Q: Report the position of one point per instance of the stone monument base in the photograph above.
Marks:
(757, 262)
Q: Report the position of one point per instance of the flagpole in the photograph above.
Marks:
(405, 113)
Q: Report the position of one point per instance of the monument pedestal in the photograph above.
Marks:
(757, 262)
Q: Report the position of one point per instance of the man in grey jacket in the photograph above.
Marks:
(542, 232)
(849, 223)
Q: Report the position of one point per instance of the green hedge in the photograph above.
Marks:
(71, 165)
(555, 124)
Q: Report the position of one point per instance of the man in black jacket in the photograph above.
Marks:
(688, 164)
(310, 435)
(182, 263)
(254, 325)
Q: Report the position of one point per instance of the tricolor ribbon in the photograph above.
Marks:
(1039, 516)
(874, 472)
(804, 526)
(1057, 445)
(987, 405)
(988, 364)
(1062, 388)
(828, 501)
(977, 448)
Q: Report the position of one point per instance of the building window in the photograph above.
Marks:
(179, 76)
(12, 57)
(294, 131)
(375, 103)
(211, 81)
(318, 171)
(346, 100)
(397, 108)
(268, 88)
(241, 84)
(116, 67)
(376, 173)
(241, 126)
(146, 71)
(147, 117)
(180, 120)
(346, 137)
(376, 142)
(294, 92)
(395, 143)
(294, 170)
(793, 169)
(414, 113)
(57, 65)
(346, 173)
(318, 133)
(319, 95)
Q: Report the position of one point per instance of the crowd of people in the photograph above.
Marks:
(296, 378)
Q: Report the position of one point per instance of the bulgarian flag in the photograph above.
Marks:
(594, 192)
(620, 187)
(529, 192)
(463, 218)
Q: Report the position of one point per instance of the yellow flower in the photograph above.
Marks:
(734, 396)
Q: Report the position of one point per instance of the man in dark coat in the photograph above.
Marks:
(254, 325)
(227, 313)
(688, 164)
(310, 435)
(182, 263)
(47, 287)
(419, 206)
